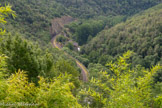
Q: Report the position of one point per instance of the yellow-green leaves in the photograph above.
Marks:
(3, 83)
(4, 12)
(54, 93)
(124, 89)
(19, 89)
(158, 102)
(2, 32)
(2, 63)
(120, 65)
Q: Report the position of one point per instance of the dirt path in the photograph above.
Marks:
(84, 72)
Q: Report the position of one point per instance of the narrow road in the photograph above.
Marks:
(84, 72)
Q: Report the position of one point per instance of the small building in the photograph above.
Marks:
(75, 44)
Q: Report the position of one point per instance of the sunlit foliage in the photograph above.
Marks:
(4, 12)
(126, 88)
(50, 93)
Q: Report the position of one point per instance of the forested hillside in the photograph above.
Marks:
(91, 8)
(34, 17)
(117, 42)
(141, 34)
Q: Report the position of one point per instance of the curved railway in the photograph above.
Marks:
(84, 71)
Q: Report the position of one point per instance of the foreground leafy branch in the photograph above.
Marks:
(50, 93)
(5, 12)
(128, 87)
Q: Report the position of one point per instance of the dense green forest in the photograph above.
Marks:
(141, 34)
(33, 16)
(119, 41)
(92, 8)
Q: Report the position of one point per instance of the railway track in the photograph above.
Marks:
(84, 71)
